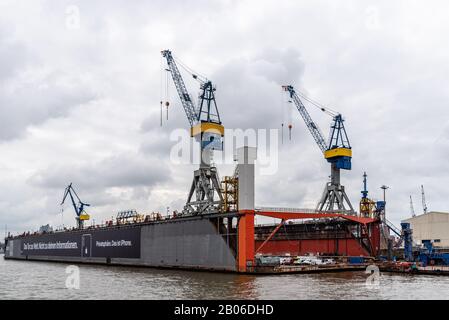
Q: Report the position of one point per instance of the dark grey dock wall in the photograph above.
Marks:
(187, 244)
(193, 244)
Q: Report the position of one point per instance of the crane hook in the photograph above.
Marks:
(167, 104)
(161, 111)
(282, 133)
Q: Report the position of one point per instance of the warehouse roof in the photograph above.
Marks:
(433, 214)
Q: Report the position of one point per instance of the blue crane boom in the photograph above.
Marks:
(79, 208)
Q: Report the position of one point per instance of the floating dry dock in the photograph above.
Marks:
(218, 236)
(217, 242)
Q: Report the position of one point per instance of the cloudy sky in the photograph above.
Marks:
(80, 85)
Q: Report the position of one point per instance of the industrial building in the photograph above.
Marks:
(433, 226)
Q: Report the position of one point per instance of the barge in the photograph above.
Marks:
(414, 268)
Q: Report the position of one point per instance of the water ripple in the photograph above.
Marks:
(41, 280)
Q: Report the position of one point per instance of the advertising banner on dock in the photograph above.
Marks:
(113, 243)
(119, 243)
(64, 244)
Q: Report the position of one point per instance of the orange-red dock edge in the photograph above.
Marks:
(246, 243)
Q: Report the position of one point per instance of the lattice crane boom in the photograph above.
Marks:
(313, 128)
(186, 99)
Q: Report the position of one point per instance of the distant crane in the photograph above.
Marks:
(412, 209)
(423, 196)
(81, 215)
(206, 127)
(368, 207)
(337, 151)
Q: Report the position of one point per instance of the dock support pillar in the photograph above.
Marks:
(246, 243)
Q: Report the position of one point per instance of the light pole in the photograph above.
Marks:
(385, 188)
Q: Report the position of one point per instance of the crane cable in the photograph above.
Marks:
(167, 92)
(283, 118)
(161, 94)
(193, 73)
(318, 105)
(164, 89)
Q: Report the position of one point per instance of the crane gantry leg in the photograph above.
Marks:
(334, 196)
(205, 186)
(206, 181)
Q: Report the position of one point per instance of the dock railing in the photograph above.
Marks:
(298, 210)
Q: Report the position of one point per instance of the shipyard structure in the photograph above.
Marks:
(226, 240)
(216, 229)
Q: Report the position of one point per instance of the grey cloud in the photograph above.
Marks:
(13, 56)
(124, 170)
(32, 91)
(32, 101)
(283, 66)
(237, 81)
(160, 146)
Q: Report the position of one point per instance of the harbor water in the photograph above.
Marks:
(43, 280)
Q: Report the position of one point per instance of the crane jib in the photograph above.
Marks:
(207, 110)
(181, 88)
(79, 209)
(313, 128)
(338, 149)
